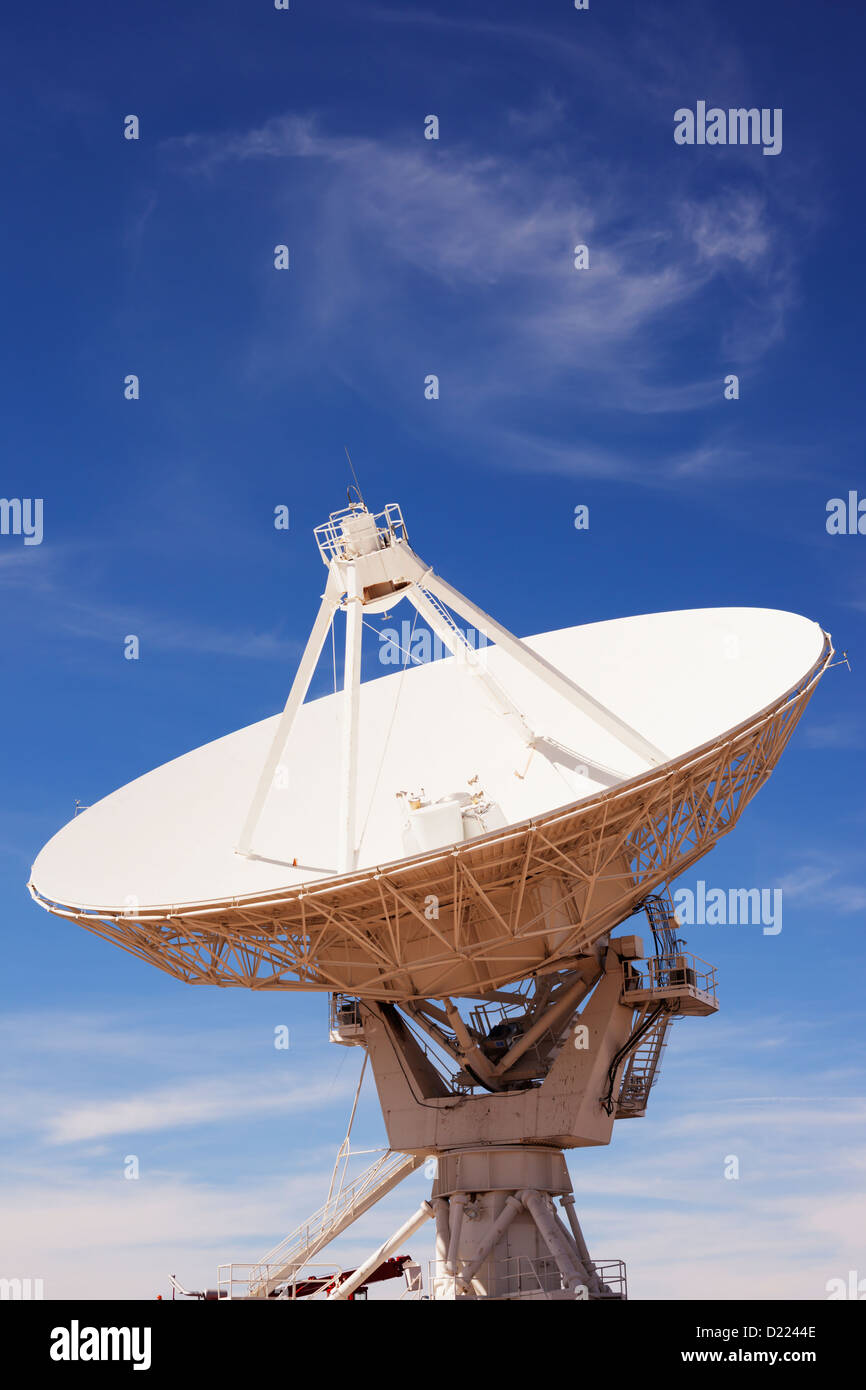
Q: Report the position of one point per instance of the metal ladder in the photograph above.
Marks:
(345, 1206)
(660, 914)
(442, 612)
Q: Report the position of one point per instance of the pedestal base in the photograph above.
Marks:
(500, 1234)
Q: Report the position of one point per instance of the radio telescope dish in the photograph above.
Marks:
(470, 829)
(406, 838)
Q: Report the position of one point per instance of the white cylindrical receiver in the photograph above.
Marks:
(360, 535)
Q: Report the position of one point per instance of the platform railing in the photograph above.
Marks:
(233, 1280)
(612, 1277)
(331, 541)
(670, 972)
(519, 1276)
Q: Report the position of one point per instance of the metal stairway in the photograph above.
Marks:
(641, 1067)
(345, 1206)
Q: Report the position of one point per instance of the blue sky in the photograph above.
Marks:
(602, 387)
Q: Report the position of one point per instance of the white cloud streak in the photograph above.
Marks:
(491, 237)
(190, 1103)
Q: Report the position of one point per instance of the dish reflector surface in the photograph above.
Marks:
(169, 838)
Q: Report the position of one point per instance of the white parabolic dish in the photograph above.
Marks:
(168, 839)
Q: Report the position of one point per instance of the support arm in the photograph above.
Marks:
(300, 686)
(532, 662)
(349, 722)
(462, 651)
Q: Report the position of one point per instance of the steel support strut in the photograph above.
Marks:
(300, 686)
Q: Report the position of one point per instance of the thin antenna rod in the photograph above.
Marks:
(354, 475)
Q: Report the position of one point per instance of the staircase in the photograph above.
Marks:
(641, 1067)
(345, 1206)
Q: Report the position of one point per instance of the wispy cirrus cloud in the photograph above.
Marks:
(62, 604)
(479, 246)
(90, 1075)
(189, 1103)
(825, 883)
(843, 733)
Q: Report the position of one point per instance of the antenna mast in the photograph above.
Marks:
(355, 476)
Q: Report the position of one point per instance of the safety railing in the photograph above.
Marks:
(520, 1277)
(612, 1278)
(312, 1281)
(662, 974)
(332, 542)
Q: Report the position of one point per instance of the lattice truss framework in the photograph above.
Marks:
(482, 915)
